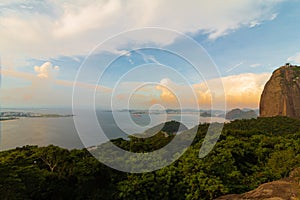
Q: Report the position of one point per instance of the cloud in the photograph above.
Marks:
(46, 70)
(169, 92)
(234, 67)
(15, 74)
(295, 58)
(148, 58)
(243, 90)
(255, 65)
(54, 28)
(42, 90)
(46, 73)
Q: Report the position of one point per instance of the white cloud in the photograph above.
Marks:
(241, 90)
(255, 65)
(40, 89)
(46, 70)
(234, 67)
(75, 27)
(148, 58)
(273, 16)
(295, 58)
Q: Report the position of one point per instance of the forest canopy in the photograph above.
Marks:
(247, 154)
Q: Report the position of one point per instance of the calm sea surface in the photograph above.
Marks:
(62, 131)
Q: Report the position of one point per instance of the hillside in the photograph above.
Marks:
(248, 153)
(240, 114)
(170, 127)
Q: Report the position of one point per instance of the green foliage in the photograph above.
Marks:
(170, 128)
(52, 173)
(248, 153)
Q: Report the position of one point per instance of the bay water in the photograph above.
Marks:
(61, 131)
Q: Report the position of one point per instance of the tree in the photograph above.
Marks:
(53, 156)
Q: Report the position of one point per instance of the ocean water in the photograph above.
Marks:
(62, 131)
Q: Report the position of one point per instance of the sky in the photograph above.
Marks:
(140, 54)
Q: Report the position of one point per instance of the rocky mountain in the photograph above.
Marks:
(248, 109)
(281, 95)
(240, 114)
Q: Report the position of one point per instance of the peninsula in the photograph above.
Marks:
(16, 115)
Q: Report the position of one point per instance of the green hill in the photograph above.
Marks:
(247, 154)
(240, 114)
(170, 127)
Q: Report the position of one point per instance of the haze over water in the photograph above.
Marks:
(62, 132)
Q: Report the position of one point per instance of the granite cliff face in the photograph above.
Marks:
(281, 95)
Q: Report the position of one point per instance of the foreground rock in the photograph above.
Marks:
(281, 95)
(285, 189)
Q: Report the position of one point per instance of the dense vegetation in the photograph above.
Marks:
(248, 153)
(240, 114)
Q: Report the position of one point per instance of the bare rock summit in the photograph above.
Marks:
(281, 95)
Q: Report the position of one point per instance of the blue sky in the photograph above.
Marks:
(269, 44)
(44, 44)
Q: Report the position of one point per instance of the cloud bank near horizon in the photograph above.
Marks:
(43, 87)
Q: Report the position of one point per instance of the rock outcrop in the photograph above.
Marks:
(284, 189)
(281, 95)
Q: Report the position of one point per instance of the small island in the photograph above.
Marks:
(206, 114)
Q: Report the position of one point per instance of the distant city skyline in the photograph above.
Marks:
(44, 43)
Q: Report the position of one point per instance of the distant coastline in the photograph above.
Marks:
(5, 116)
(8, 118)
